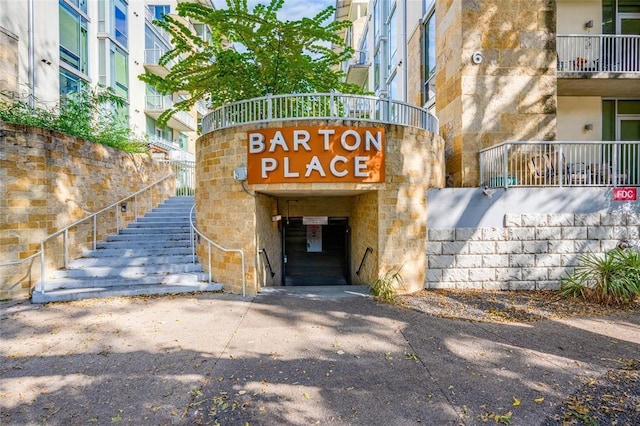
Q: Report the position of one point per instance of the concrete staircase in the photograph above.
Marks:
(150, 256)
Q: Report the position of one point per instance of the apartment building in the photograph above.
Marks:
(65, 43)
(507, 71)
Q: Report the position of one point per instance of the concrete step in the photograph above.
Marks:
(127, 271)
(132, 252)
(154, 229)
(150, 237)
(155, 279)
(143, 244)
(66, 295)
(128, 261)
(168, 221)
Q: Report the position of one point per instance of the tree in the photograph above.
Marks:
(250, 54)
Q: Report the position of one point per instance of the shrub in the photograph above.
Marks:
(384, 288)
(612, 278)
(88, 114)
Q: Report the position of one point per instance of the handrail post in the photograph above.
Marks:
(209, 246)
(505, 165)
(95, 230)
(66, 248)
(560, 165)
(42, 267)
(269, 107)
(118, 218)
(332, 105)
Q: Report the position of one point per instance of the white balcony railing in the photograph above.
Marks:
(512, 164)
(186, 118)
(587, 53)
(152, 56)
(323, 106)
(159, 102)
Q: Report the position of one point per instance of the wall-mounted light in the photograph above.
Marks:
(123, 207)
(589, 24)
(588, 127)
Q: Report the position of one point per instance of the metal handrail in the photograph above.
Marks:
(324, 106)
(210, 243)
(266, 257)
(65, 230)
(18, 262)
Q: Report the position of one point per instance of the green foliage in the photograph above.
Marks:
(270, 56)
(612, 278)
(88, 114)
(384, 288)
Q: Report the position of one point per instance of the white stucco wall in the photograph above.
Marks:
(574, 112)
(470, 208)
(573, 14)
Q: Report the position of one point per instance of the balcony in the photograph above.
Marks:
(598, 65)
(180, 120)
(152, 62)
(171, 148)
(560, 164)
(357, 69)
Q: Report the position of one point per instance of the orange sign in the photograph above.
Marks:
(316, 154)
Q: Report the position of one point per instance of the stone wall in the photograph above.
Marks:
(531, 252)
(510, 95)
(48, 180)
(390, 217)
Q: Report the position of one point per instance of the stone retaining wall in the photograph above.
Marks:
(48, 180)
(531, 252)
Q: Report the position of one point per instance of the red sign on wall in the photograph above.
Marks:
(625, 194)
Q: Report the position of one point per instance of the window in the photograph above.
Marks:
(119, 72)
(377, 20)
(120, 22)
(69, 83)
(429, 59)
(74, 44)
(158, 11)
(392, 31)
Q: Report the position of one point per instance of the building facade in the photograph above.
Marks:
(64, 44)
(500, 71)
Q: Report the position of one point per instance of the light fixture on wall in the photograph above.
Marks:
(588, 127)
(589, 24)
(123, 207)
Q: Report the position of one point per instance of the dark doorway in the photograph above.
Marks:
(316, 257)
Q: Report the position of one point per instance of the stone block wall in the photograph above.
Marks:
(531, 252)
(49, 180)
(510, 94)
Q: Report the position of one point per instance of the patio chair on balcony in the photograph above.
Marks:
(541, 168)
(578, 174)
(545, 166)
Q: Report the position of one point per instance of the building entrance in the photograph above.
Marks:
(316, 254)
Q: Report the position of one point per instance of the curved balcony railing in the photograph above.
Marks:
(324, 106)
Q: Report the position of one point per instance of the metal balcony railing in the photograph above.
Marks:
(587, 53)
(152, 56)
(158, 102)
(512, 164)
(323, 106)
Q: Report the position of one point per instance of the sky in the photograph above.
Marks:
(292, 9)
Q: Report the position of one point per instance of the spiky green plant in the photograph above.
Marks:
(612, 278)
(385, 287)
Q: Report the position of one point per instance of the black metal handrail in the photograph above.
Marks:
(266, 257)
(364, 257)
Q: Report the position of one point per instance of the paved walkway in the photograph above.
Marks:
(282, 358)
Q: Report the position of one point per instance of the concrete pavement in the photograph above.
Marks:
(309, 357)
